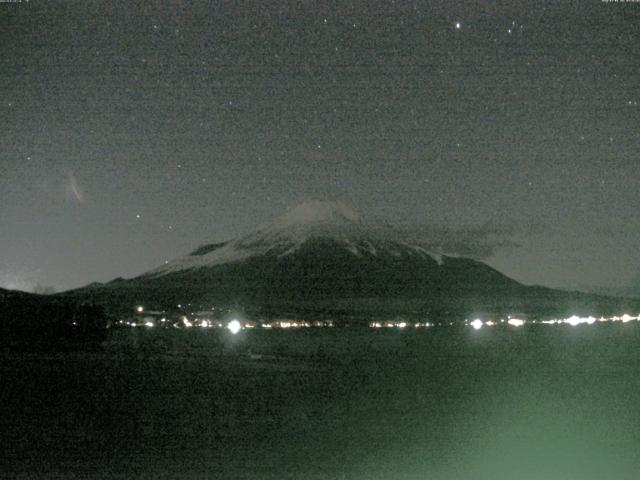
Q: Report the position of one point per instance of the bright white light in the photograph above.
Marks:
(402, 325)
(490, 323)
(234, 326)
(477, 324)
(627, 318)
(515, 322)
(186, 322)
(458, 25)
(573, 320)
(149, 324)
(140, 309)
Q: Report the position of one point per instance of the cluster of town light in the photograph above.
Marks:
(400, 324)
(477, 324)
(574, 320)
(149, 319)
(235, 326)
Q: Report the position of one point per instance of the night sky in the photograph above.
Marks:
(134, 131)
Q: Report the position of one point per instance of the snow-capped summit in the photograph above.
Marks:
(311, 220)
(321, 221)
(308, 220)
(319, 212)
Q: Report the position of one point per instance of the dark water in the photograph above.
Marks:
(540, 402)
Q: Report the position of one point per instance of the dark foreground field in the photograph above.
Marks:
(553, 402)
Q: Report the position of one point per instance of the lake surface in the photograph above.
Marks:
(536, 402)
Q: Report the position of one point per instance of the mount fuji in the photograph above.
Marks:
(323, 258)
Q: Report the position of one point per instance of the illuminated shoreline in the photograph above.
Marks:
(235, 325)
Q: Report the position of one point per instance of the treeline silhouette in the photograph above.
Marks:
(34, 322)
